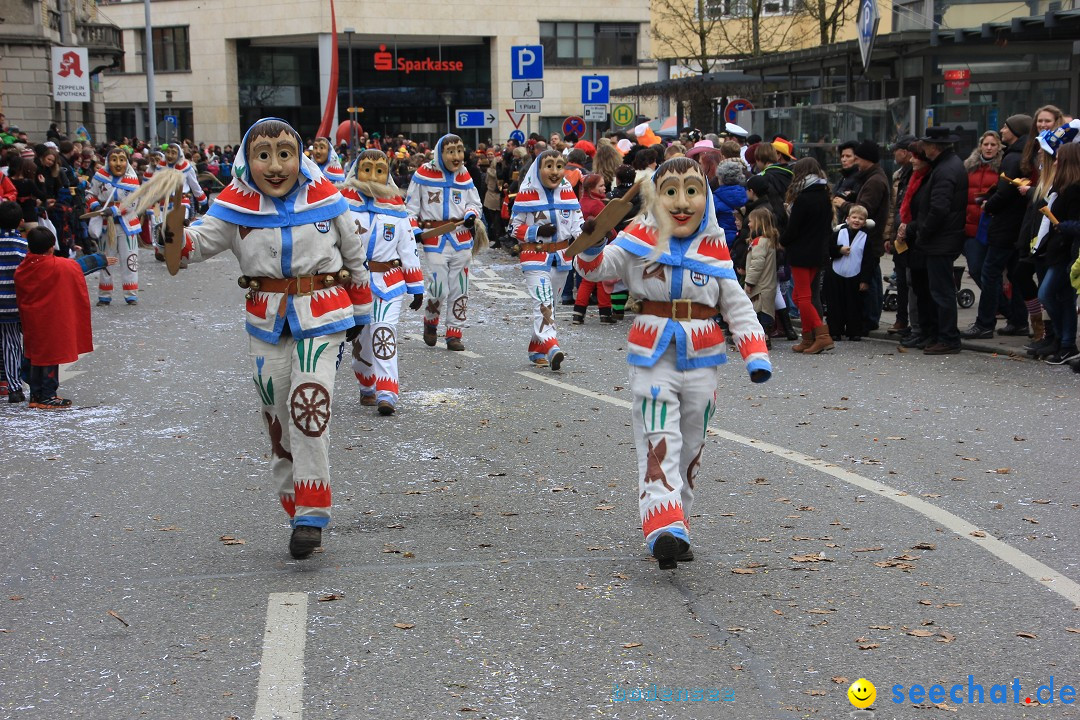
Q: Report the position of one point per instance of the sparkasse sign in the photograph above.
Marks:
(384, 60)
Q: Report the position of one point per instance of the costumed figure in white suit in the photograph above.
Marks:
(324, 155)
(194, 196)
(303, 267)
(442, 193)
(117, 231)
(382, 221)
(676, 261)
(546, 219)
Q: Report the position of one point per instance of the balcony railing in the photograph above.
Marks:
(100, 38)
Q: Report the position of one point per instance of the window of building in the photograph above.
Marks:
(724, 9)
(171, 49)
(588, 44)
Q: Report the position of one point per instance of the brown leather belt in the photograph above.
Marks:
(379, 266)
(681, 310)
(548, 247)
(428, 224)
(303, 285)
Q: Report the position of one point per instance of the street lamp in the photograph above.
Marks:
(352, 108)
(448, 97)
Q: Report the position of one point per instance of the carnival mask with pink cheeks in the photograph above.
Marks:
(551, 171)
(118, 164)
(320, 152)
(683, 197)
(453, 156)
(274, 164)
(374, 170)
(171, 155)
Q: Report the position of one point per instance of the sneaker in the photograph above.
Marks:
(131, 300)
(304, 540)
(1010, 329)
(667, 549)
(53, 403)
(16, 396)
(941, 349)
(976, 332)
(1063, 356)
(368, 400)
(386, 407)
(454, 344)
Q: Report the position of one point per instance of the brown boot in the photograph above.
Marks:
(454, 344)
(822, 341)
(807, 341)
(431, 335)
(1038, 327)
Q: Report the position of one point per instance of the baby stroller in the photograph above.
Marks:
(965, 297)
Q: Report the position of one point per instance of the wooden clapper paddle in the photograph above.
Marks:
(174, 221)
(612, 214)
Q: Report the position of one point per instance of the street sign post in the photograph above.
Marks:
(731, 111)
(526, 62)
(595, 113)
(484, 118)
(574, 124)
(595, 89)
(527, 106)
(517, 136)
(527, 89)
(867, 29)
(623, 115)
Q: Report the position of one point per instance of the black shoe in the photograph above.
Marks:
(915, 341)
(976, 332)
(608, 319)
(557, 359)
(386, 407)
(687, 556)
(941, 349)
(1011, 329)
(1075, 364)
(1062, 356)
(16, 396)
(667, 549)
(1045, 346)
(304, 540)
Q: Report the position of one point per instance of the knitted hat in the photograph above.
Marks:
(758, 184)
(868, 150)
(1019, 125)
(27, 153)
(784, 147)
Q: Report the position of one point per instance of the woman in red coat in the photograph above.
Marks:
(983, 168)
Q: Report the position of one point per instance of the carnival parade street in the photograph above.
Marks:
(869, 513)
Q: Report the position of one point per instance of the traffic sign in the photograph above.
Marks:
(527, 89)
(867, 29)
(526, 62)
(731, 112)
(517, 136)
(515, 121)
(596, 113)
(171, 120)
(574, 124)
(475, 118)
(594, 89)
(527, 106)
(623, 115)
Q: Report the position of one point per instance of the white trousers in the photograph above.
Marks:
(544, 287)
(375, 358)
(447, 288)
(114, 243)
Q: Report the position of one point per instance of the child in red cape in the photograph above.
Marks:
(54, 308)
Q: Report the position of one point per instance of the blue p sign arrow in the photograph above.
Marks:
(594, 89)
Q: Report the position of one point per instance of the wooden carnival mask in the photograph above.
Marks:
(274, 164)
(551, 171)
(453, 156)
(320, 151)
(682, 195)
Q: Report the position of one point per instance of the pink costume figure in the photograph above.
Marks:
(303, 266)
(676, 261)
(441, 192)
(379, 214)
(546, 219)
(117, 231)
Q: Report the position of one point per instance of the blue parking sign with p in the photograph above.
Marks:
(526, 62)
(594, 89)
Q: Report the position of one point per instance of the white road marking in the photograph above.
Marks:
(1037, 571)
(281, 677)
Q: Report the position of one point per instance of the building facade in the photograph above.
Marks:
(221, 65)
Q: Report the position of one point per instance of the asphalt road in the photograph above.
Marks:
(867, 513)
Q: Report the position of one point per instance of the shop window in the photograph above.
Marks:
(578, 44)
(172, 51)
(726, 9)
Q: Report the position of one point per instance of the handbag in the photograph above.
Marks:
(982, 231)
(504, 212)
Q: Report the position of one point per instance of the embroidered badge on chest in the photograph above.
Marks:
(455, 195)
(434, 196)
(388, 233)
(566, 214)
(323, 226)
(699, 279)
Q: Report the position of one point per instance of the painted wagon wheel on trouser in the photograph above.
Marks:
(383, 343)
(459, 308)
(309, 407)
(133, 262)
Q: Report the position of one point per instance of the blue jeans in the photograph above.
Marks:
(44, 381)
(975, 254)
(939, 271)
(999, 259)
(1059, 299)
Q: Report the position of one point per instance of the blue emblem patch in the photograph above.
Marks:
(323, 226)
(699, 279)
(566, 214)
(388, 233)
(456, 196)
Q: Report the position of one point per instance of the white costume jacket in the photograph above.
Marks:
(105, 188)
(435, 195)
(191, 176)
(537, 205)
(387, 232)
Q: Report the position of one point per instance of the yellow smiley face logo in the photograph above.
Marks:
(862, 693)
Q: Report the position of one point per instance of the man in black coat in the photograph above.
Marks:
(875, 193)
(941, 231)
(1006, 207)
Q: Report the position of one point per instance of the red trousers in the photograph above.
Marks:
(804, 294)
(603, 297)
